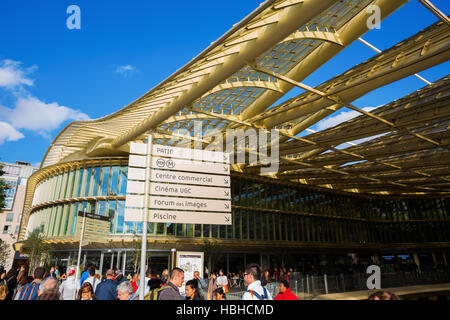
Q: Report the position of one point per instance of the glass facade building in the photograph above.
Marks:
(263, 210)
(269, 216)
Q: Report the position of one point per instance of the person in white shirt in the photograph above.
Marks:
(68, 289)
(148, 276)
(254, 291)
(222, 281)
(92, 279)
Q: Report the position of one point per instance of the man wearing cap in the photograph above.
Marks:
(69, 288)
(107, 290)
(119, 278)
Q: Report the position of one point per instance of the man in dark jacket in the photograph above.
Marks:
(107, 290)
(285, 292)
(171, 292)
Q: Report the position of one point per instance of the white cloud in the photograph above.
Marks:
(126, 70)
(32, 114)
(28, 112)
(341, 117)
(9, 133)
(12, 75)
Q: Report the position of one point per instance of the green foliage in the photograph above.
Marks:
(3, 187)
(214, 252)
(38, 251)
(136, 245)
(4, 252)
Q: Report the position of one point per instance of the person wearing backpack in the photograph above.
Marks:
(30, 291)
(171, 291)
(255, 291)
(91, 278)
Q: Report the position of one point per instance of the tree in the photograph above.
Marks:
(38, 251)
(4, 252)
(213, 254)
(136, 244)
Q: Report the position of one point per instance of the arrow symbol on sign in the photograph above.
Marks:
(225, 180)
(225, 169)
(227, 193)
(224, 157)
(227, 219)
(227, 206)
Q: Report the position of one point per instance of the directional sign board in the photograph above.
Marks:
(96, 228)
(193, 166)
(158, 202)
(189, 217)
(184, 186)
(190, 178)
(184, 190)
(191, 154)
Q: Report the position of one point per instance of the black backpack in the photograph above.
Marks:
(265, 296)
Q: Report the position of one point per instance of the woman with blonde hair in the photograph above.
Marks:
(3, 291)
(165, 276)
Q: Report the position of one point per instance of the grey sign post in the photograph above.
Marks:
(144, 219)
(79, 254)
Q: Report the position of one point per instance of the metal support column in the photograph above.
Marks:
(84, 259)
(173, 259)
(145, 216)
(112, 260)
(118, 260)
(427, 4)
(124, 258)
(101, 263)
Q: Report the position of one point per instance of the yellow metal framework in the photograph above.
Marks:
(236, 80)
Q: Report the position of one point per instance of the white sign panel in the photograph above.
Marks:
(191, 154)
(186, 165)
(190, 262)
(190, 178)
(133, 215)
(182, 190)
(189, 217)
(136, 201)
(138, 148)
(136, 161)
(136, 173)
(157, 202)
(135, 187)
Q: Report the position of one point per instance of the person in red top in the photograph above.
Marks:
(285, 292)
(134, 281)
(276, 274)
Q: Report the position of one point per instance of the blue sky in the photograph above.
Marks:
(50, 75)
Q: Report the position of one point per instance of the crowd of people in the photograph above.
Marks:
(16, 284)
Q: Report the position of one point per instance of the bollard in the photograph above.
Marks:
(296, 290)
(343, 282)
(325, 280)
